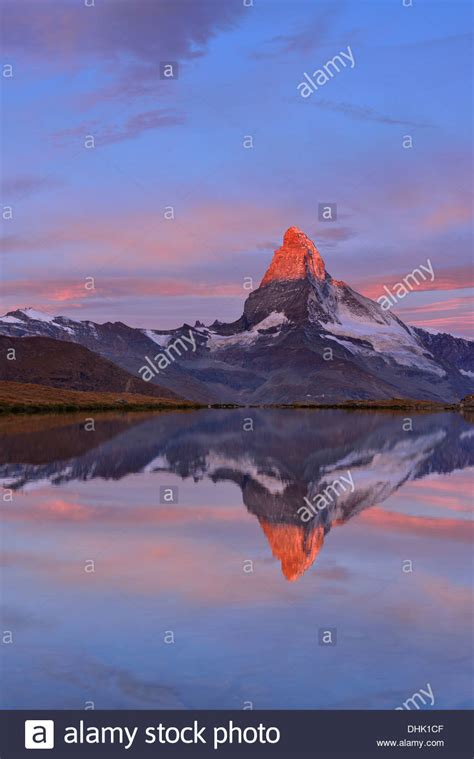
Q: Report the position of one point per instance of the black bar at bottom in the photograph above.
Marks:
(249, 734)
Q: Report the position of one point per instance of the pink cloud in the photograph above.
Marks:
(451, 324)
(451, 315)
(135, 238)
(446, 594)
(67, 293)
(441, 305)
(449, 215)
(392, 521)
(450, 278)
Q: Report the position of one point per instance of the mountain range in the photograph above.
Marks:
(303, 337)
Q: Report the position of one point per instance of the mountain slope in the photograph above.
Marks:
(453, 350)
(303, 336)
(43, 361)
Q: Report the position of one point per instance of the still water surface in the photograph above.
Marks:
(218, 600)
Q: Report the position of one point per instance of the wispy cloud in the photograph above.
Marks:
(314, 35)
(442, 306)
(27, 184)
(132, 128)
(133, 81)
(329, 233)
(364, 113)
(453, 315)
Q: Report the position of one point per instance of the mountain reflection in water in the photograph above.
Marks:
(277, 457)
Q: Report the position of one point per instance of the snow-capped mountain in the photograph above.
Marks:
(303, 336)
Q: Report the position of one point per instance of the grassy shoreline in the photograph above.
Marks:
(29, 398)
(391, 405)
(24, 398)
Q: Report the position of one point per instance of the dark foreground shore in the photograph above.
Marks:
(25, 398)
(395, 404)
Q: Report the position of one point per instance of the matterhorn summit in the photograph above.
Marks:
(297, 258)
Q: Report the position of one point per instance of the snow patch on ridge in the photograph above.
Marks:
(160, 340)
(39, 316)
(10, 320)
(275, 319)
(345, 343)
(93, 328)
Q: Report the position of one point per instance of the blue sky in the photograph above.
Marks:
(99, 212)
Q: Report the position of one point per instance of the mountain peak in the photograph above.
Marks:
(297, 258)
(29, 313)
(294, 234)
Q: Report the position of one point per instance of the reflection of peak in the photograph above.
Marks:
(294, 545)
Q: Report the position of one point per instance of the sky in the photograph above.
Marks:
(80, 69)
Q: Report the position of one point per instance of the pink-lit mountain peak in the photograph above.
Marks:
(295, 259)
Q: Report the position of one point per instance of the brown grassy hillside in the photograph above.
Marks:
(56, 363)
(28, 397)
